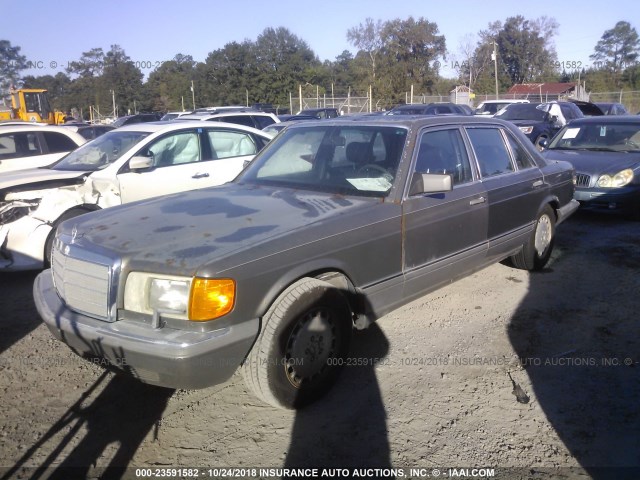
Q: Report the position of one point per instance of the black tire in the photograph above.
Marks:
(536, 252)
(48, 245)
(291, 366)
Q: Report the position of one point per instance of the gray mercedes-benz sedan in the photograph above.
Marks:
(333, 225)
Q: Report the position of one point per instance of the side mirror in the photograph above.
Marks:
(140, 163)
(430, 183)
(544, 143)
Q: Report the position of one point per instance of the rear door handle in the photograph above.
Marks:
(537, 183)
(477, 201)
(200, 175)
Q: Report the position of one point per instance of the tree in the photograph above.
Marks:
(123, 78)
(11, 64)
(524, 52)
(368, 38)
(617, 48)
(410, 50)
(282, 61)
(91, 64)
(170, 84)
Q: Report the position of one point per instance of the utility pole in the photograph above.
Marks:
(193, 96)
(113, 98)
(494, 57)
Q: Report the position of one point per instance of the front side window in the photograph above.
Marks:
(491, 151)
(58, 142)
(174, 149)
(352, 159)
(443, 152)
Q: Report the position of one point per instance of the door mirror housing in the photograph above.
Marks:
(140, 163)
(429, 183)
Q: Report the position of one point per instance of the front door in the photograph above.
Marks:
(445, 234)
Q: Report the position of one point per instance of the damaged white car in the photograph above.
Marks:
(127, 164)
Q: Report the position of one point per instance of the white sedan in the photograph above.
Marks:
(124, 165)
(30, 145)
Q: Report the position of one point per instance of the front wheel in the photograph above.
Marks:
(303, 342)
(536, 252)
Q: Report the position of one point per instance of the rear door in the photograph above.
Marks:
(28, 149)
(514, 184)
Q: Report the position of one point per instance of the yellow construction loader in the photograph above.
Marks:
(30, 105)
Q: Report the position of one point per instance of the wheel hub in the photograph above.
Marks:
(310, 345)
(544, 231)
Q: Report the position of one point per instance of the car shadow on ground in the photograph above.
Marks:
(107, 420)
(18, 315)
(581, 350)
(348, 427)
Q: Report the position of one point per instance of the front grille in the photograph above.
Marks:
(82, 285)
(582, 180)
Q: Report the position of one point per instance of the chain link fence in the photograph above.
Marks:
(348, 105)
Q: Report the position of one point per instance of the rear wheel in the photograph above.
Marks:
(536, 252)
(302, 345)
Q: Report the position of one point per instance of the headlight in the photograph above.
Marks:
(620, 179)
(196, 299)
(15, 210)
(526, 130)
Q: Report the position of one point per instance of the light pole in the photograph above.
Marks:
(494, 57)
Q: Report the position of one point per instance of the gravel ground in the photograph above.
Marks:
(534, 375)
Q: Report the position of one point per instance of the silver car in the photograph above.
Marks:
(333, 225)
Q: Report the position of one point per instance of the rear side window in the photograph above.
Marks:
(238, 119)
(491, 151)
(520, 155)
(16, 145)
(263, 121)
(57, 142)
(225, 144)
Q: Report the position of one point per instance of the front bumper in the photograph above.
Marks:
(567, 210)
(621, 199)
(165, 357)
(22, 244)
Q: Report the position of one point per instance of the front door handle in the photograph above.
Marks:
(477, 201)
(200, 175)
(537, 183)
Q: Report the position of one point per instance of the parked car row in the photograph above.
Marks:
(270, 272)
(124, 165)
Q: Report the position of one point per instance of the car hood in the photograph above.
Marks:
(186, 232)
(38, 179)
(593, 162)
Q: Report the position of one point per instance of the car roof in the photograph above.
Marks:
(172, 125)
(39, 127)
(407, 121)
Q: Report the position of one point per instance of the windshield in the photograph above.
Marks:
(524, 111)
(351, 160)
(101, 152)
(619, 136)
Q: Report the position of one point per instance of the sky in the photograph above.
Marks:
(53, 33)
